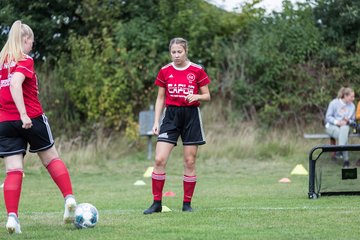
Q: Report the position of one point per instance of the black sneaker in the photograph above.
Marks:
(346, 164)
(155, 207)
(187, 207)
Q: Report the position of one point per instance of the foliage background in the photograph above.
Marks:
(97, 60)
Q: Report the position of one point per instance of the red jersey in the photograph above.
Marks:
(180, 82)
(8, 110)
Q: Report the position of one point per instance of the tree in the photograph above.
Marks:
(339, 22)
(51, 21)
(271, 66)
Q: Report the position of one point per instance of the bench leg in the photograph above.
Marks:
(333, 142)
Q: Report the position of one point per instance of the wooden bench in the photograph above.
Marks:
(326, 136)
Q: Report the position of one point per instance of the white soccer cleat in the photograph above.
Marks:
(69, 214)
(13, 225)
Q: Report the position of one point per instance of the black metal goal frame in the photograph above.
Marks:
(312, 164)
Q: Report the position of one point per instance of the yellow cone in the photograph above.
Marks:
(299, 170)
(165, 209)
(148, 172)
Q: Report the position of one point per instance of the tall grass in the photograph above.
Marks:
(227, 140)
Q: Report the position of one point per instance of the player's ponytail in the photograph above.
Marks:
(12, 50)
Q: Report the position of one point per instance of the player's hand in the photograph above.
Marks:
(26, 121)
(155, 129)
(192, 97)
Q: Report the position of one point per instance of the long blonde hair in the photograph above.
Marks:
(13, 48)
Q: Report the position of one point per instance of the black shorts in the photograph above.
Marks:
(182, 121)
(14, 139)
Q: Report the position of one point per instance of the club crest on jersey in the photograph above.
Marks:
(190, 77)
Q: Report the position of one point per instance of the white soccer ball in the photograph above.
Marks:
(86, 216)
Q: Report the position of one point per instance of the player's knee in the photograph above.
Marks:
(189, 162)
(14, 162)
(160, 161)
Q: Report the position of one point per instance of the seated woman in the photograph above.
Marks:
(339, 115)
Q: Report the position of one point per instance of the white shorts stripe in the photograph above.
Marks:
(201, 125)
(48, 128)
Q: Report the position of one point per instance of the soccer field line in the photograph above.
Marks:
(132, 211)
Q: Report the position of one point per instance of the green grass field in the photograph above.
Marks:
(238, 196)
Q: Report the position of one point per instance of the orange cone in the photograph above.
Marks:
(284, 180)
(169, 194)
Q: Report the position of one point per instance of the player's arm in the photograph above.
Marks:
(203, 96)
(159, 105)
(17, 95)
(205, 93)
